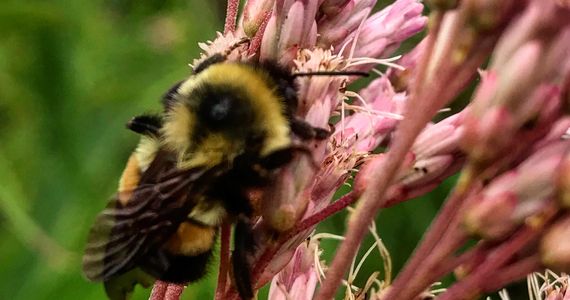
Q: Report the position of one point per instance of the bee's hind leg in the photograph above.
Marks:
(244, 245)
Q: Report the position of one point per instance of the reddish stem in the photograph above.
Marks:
(495, 263)
(514, 272)
(468, 258)
(265, 258)
(333, 208)
(426, 273)
(258, 37)
(158, 290)
(224, 260)
(166, 291)
(372, 198)
(424, 253)
(231, 16)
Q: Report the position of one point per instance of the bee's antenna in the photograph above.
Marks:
(332, 73)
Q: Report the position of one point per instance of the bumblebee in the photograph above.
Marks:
(226, 129)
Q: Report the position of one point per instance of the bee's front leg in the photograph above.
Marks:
(148, 125)
(306, 131)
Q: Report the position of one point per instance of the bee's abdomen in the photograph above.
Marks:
(187, 253)
(191, 239)
(186, 269)
(129, 180)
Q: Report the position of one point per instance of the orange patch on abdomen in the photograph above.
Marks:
(129, 179)
(191, 239)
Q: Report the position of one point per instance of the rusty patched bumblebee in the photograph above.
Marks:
(226, 128)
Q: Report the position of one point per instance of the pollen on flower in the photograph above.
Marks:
(221, 44)
(318, 60)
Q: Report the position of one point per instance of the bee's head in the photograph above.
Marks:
(223, 112)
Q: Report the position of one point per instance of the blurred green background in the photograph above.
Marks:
(71, 74)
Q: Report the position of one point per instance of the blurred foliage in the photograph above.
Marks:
(71, 74)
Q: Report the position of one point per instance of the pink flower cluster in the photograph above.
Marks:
(509, 143)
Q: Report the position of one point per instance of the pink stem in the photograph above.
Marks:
(326, 212)
(265, 258)
(495, 262)
(423, 254)
(224, 260)
(513, 273)
(258, 38)
(426, 273)
(372, 198)
(231, 16)
(470, 257)
(158, 290)
(166, 291)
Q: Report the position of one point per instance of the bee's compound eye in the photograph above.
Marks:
(220, 110)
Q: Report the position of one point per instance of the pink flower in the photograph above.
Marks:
(514, 183)
(555, 246)
(298, 280)
(518, 195)
(383, 32)
(521, 86)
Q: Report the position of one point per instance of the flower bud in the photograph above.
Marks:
(426, 170)
(491, 217)
(443, 4)
(291, 27)
(509, 104)
(436, 151)
(363, 177)
(519, 196)
(335, 28)
(253, 14)
(298, 280)
(440, 138)
(331, 8)
(555, 246)
(383, 32)
(564, 183)
(540, 20)
(486, 15)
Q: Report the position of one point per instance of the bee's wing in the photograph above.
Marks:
(123, 234)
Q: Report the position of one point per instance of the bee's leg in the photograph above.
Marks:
(282, 157)
(243, 246)
(307, 131)
(148, 125)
